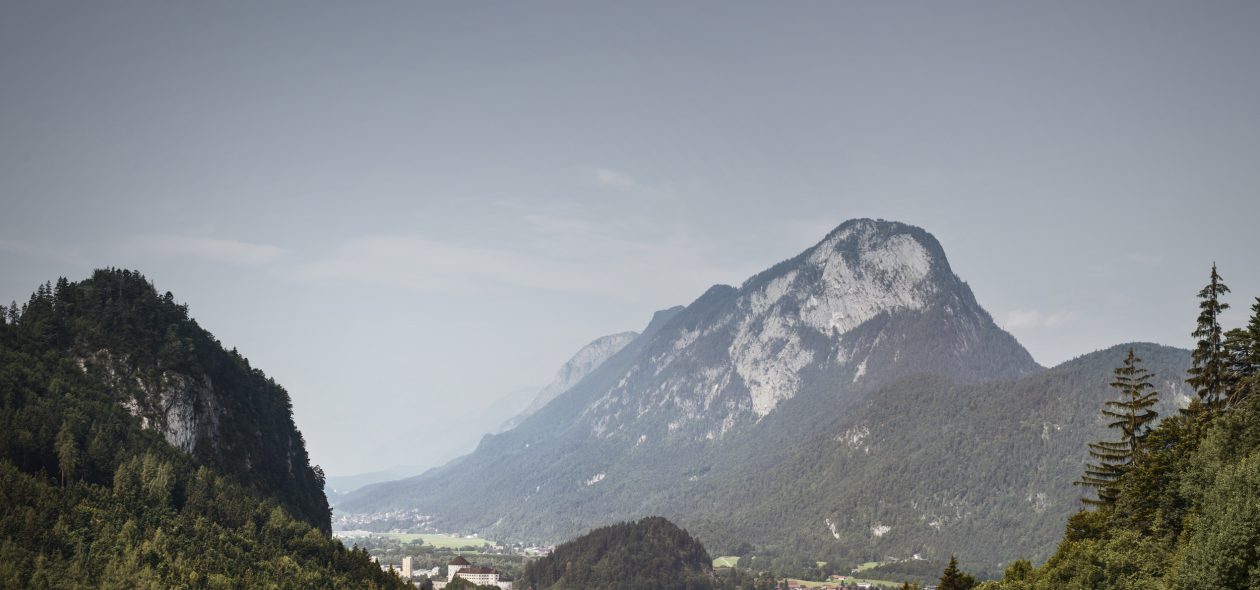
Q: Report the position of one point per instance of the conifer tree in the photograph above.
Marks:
(1208, 360)
(1133, 415)
(1252, 330)
(1238, 365)
(1242, 359)
(67, 453)
(954, 579)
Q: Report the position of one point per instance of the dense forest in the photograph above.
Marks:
(1175, 506)
(135, 452)
(651, 553)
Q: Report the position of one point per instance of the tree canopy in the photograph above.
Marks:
(92, 493)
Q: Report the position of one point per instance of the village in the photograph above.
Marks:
(438, 578)
(407, 543)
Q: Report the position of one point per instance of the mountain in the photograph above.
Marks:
(587, 359)
(135, 451)
(445, 439)
(648, 553)
(339, 485)
(452, 438)
(851, 403)
(985, 470)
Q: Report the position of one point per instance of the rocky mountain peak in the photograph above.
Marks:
(873, 300)
(862, 268)
(739, 374)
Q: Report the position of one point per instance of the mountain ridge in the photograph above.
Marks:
(708, 392)
(585, 360)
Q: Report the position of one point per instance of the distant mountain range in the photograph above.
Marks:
(452, 438)
(587, 359)
(444, 439)
(854, 401)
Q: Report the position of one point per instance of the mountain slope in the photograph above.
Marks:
(585, 360)
(931, 466)
(136, 452)
(724, 385)
(1186, 514)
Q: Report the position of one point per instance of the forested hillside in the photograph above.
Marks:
(1177, 506)
(924, 465)
(135, 452)
(649, 554)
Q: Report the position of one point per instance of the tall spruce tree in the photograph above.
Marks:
(1208, 363)
(1238, 365)
(1132, 414)
(67, 453)
(955, 579)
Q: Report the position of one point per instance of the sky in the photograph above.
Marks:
(406, 211)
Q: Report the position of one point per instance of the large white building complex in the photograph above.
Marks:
(482, 576)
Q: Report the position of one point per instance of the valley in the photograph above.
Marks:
(645, 295)
(821, 472)
(844, 434)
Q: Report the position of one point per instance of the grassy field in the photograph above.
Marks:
(437, 540)
(731, 560)
(811, 584)
(726, 561)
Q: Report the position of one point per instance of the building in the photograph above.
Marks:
(454, 565)
(406, 567)
(482, 576)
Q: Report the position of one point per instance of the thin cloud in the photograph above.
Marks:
(1148, 260)
(558, 225)
(618, 180)
(23, 248)
(664, 273)
(623, 182)
(216, 250)
(1031, 319)
(14, 246)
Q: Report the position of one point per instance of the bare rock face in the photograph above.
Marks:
(871, 302)
(183, 408)
(142, 350)
(188, 409)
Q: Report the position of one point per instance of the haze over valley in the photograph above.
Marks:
(701, 296)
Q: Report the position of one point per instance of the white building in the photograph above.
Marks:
(406, 567)
(454, 565)
(458, 566)
(484, 576)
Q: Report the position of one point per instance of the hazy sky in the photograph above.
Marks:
(404, 210)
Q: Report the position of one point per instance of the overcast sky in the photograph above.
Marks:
(401, 211)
